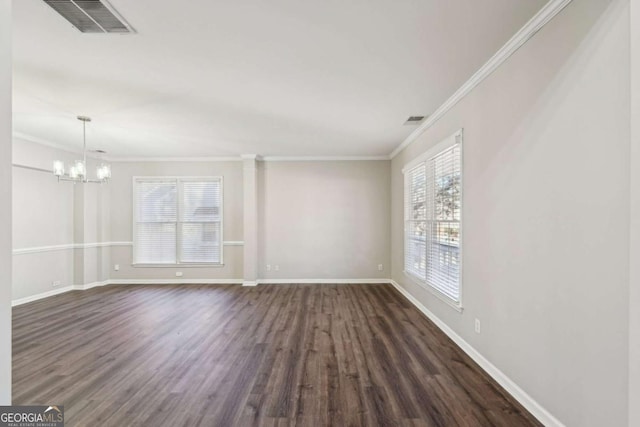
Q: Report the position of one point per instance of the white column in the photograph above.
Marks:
(250, 187)
(5, 206)
(634, 249)
(78, 234)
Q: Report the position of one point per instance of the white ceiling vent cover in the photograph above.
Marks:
(414, 120)
(91, 16)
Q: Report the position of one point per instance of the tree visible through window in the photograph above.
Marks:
(178, 220)
(433, 190)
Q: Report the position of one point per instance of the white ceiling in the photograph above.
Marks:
(275, 78)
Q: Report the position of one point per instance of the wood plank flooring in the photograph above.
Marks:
(226, 355)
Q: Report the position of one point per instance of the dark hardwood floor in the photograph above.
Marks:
(309, 355)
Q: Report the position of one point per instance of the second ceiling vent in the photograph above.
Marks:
(91, 16)
(414, 120)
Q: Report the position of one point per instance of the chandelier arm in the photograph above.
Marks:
(68, 179)
(74, 175)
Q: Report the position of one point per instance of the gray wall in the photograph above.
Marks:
(634, 279)
(5, 207)
(324, 220)
(48, 214)
(349, 199)
(42, 216)
(546, 230)
(316, 220)
(546, 215)
(121, 190)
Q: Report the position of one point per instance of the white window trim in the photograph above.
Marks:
(456, 137)
(178, 264)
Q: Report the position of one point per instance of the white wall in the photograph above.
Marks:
(317, 220)
(324, 220)
(5, 207)
(42, 217)
(250, 219)
(546, 211)
(53, 216)
(634, 274)
(92, 224)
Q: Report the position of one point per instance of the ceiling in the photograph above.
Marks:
(274, 78)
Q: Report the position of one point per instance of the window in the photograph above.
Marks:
(433, 218)
(178, 220)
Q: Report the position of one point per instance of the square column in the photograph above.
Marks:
(250, 187)
(5, 206)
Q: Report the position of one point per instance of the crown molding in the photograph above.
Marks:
(41, 141)
(323, 158)
(239, 158)
(246, 157)
(45, 142)
(535, 24)
(172, 159)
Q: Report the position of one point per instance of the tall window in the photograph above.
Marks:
(178, 220)
(433, 205)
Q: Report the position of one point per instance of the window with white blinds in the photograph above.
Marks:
(178, 220)
(433, 217)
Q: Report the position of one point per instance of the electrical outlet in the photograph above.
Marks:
(477, 326)
(116, 267)
(178, 273)
(55, 283)
(380, 267)
(276, 267)
(268, 267)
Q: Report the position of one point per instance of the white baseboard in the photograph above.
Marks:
(511, 387)
(175, 281)
(37, 297)
(91, 285)
(321, 281)
(87, 286)
(187, 282)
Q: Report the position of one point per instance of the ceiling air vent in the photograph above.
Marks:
(414, 120)
(91, 16)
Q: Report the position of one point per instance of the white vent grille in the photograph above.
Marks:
(91, 16)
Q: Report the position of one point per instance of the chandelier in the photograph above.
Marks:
(78, 171)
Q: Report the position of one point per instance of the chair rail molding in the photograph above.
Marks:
(69, 246)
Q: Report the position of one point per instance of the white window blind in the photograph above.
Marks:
(200, 221)
(156, 217)
(178, 220)
(416, 222)
(433, 204)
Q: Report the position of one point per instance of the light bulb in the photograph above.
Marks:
(103, 172)
(58, 168)
(81, 170)
(73, 172)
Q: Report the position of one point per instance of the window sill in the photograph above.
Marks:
(177, 265)
(433, 291)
